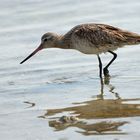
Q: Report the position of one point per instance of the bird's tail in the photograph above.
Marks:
(131, 38)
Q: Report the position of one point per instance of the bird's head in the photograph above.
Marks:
(48, 40)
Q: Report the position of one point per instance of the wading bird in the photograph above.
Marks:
(90, 39)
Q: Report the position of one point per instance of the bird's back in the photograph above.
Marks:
(98, 38)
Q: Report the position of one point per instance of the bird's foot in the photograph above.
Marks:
(107, 80)
(106, 72)
(100, 96)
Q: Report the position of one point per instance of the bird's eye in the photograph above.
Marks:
(45, 39)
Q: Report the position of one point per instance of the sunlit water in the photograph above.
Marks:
(55, 82)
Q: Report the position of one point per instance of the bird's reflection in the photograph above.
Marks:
(106, 82)
(100, 111)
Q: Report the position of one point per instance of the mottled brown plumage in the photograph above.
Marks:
(90, 39)
(98, 38)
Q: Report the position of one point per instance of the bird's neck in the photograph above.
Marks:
(63, 42)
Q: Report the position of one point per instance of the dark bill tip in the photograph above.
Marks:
(33, 53)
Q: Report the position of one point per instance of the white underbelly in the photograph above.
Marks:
(89, 48)
(94, 49)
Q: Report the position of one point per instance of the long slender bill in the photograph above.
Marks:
(33, 53)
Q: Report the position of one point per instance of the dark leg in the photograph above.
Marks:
(100, 66)
(106, 72)
(100, 74)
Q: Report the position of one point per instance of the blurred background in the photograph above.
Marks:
(56, 78)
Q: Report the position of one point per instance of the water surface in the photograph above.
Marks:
(56, 82)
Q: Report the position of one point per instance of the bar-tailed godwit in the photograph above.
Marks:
(90, 39)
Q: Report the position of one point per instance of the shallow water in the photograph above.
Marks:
(55, 82)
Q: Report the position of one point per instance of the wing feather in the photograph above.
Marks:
(101, 34)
